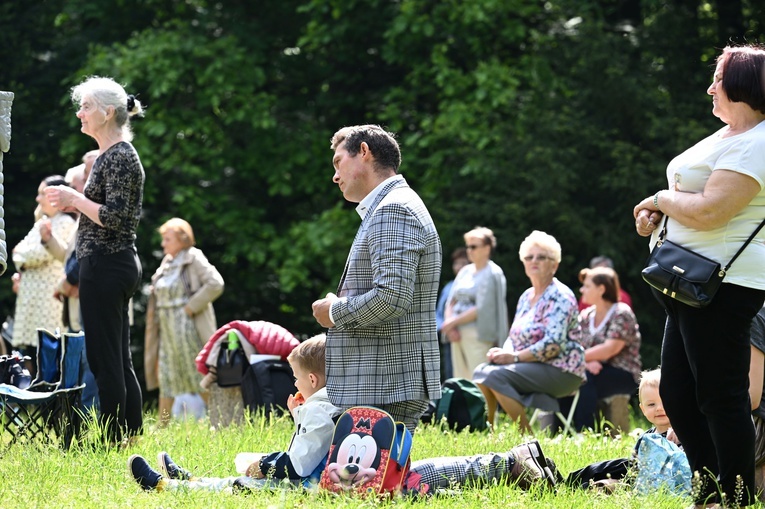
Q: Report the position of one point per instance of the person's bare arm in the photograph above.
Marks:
(68, 200)
(725, 194)
(756, 374)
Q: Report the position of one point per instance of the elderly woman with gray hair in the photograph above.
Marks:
(110, 271)
(475, 319)
(542, 354)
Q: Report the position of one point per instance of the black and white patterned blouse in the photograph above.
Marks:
(116, 183)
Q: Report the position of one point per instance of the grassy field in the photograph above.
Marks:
(34, 475)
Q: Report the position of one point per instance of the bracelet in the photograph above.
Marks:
(656, 200)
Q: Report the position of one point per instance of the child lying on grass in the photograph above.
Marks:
(527, 465)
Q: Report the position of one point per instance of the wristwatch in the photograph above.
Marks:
(516, 359)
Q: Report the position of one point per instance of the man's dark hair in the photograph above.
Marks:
(381, 143)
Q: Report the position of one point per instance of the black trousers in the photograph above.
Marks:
(609, 382)
(107, 282)
(704, 386)
(609, 469)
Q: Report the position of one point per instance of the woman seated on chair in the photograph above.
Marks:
(542, 356)
(611, 339)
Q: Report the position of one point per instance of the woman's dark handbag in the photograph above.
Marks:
(684, 275)
(231, 365)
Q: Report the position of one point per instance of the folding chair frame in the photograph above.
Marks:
(567, 421)
(30, 414)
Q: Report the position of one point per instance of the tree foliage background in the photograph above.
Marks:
(512, 114)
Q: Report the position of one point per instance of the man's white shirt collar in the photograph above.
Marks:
(364, 204)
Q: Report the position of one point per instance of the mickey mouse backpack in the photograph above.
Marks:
(369, 453)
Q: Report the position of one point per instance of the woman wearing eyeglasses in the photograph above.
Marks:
(542, 354)
(475, 319)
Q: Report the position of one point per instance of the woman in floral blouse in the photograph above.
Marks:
(611, 339)
(542, 354)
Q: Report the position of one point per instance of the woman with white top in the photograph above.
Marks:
(715, 201)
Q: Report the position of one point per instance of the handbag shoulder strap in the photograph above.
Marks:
(663, 232)
(663, 235)
(185, 280)
(754, 233)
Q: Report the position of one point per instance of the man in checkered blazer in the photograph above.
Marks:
(382, 346)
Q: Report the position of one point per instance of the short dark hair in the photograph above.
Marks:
(605, 276)
(742, 79)
(458, 253)
(381, 143)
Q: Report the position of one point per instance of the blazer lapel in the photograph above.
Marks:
(397, 182)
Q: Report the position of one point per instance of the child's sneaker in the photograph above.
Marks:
(147, 477)
(172, 471)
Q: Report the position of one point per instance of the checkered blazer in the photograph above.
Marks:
(384, 348)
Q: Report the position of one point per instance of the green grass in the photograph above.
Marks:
(36, 475)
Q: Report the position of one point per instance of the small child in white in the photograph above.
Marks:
(306, 455)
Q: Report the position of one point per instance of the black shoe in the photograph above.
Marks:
(530, 466)
(170, 469)
(143, 474)
(246, 485)
(555, 472)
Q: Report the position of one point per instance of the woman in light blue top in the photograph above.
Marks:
(476, 314)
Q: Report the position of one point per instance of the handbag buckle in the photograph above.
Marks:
(666, 292)
(678, 269)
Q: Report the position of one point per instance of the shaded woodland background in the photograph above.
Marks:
(511, 114)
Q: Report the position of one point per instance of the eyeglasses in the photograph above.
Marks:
(539, 258)
(470, 247)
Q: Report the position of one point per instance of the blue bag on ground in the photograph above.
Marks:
(661, 463)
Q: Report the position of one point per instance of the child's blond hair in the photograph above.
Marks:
(649, 378)
(310, 354)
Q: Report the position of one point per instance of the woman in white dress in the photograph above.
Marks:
(40, 271)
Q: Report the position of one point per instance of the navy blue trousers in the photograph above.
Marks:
(609, 382)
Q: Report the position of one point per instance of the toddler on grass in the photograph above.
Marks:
(607, 472)
(301, 463)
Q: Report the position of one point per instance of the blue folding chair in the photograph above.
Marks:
(52, 401)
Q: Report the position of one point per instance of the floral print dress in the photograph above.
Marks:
(40, 273)
(180, 341)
